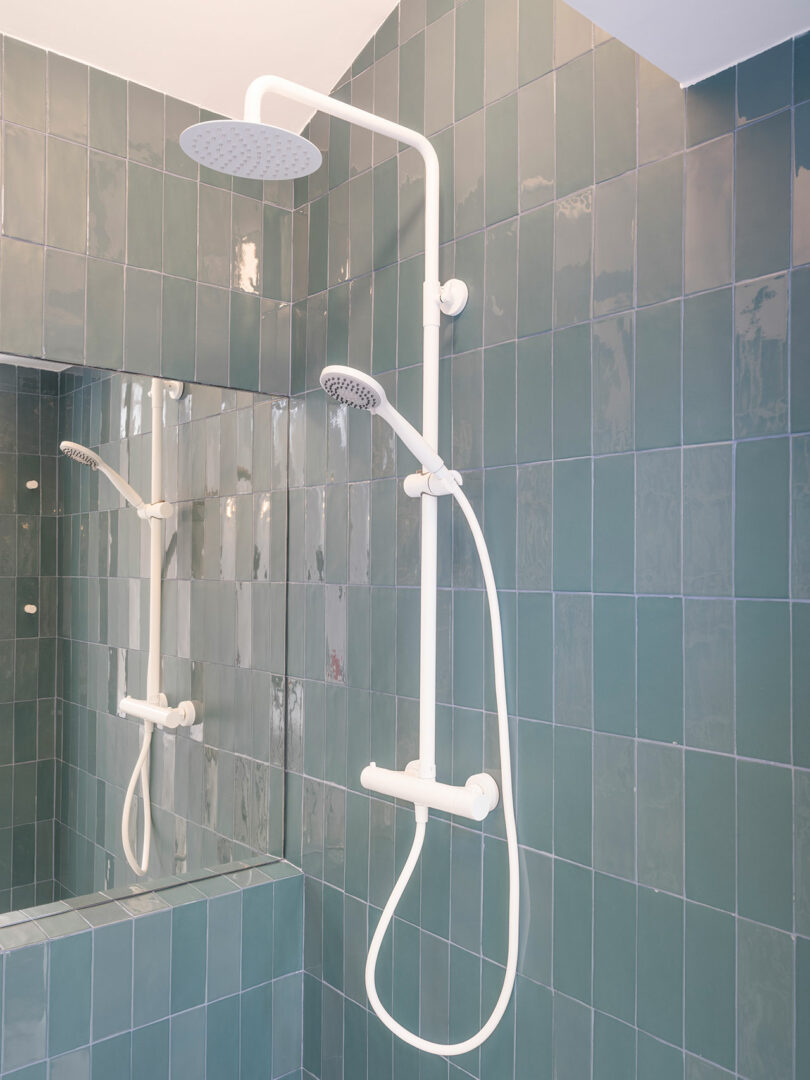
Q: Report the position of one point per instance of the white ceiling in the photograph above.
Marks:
(204, 51)
(692, 39)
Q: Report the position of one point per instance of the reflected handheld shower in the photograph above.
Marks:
(77, 452)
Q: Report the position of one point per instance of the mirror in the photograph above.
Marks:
(74, 633)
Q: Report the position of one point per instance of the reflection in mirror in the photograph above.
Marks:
(74, 633)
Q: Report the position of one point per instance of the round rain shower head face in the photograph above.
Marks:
(351, 387)
(79, 453)
(254, 151)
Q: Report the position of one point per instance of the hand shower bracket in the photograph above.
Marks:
(159, 713)
(428, 483)
(474, 800)
(161, 510)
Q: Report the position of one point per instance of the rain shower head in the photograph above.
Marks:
(360, 391)
(252, 150)
(77, 452)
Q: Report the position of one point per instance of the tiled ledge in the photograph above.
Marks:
(203, 976)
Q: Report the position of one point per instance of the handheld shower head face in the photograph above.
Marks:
(351, 387)
(254, 151)
(77, 452)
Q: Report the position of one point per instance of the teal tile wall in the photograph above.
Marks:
(217, 788)
(28, 556)
(627, 396)
(142, 986)
(119, 251)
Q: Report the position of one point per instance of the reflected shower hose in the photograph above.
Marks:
(387, 915)
(141, 770)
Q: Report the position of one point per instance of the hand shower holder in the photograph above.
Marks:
(429, 483)
(160, 713)
(474, 800)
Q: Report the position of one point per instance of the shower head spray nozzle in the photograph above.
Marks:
(360, 391)
(252, 150)
(77, 452)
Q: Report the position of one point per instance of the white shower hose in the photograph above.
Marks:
(141, 770)
(449, 1049)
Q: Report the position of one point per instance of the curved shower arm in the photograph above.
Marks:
(274, 84)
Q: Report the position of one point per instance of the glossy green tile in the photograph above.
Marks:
(660, 966)
(801, 686)
(614, 1048)
(710, 107)
(499, 405)
(572, 1034)
(533, 1039)
(535, 40)
(536, 142)
(707, 507)
(535, 271)
(764, 849)
(68, 1013)
(105, 313)
(534, 504)
(760, 358)
(613, 524)
(573, 635)
(534, 801)
(501, 199)
(660, 226)
(572, 930)
(244, 341)
(534, 399)
(761, 518)
(614, 245)
(614, 664)
(142, 314)
(144, 217)
(213, 243)
(575, 125)
(469, 58)
(614, 805)
(707, 367)
(660, 669)
(572, 795)
(67, 98)
(179, 227)
(660, 816)
(107, 202)
(64, 306)
(802, 852)
(765, 1002)
(708, 674)
(801, 185)
(708, 224)
(572, 524)
(573, 33)
(112, 1057)
(615, 109)
(764, 82)
(802, 1001)
(189, 955)
(108, 113)
(67, 196)
(799, 376)
(613, 385)
(112, 981)
(709, 977)
(150, 1052)
(178, 116)
(763, 680)
(21, 284)
(572, 392)
(178, 330)
(500, 269)
(145, 113)
(800, 553)
(572, 258)
(24, 175)
(660, 114)
(762, 185)
(24, 78)
(658, 1060)
(658, 376)
(710, 861)
(468, 160)
(614, 947)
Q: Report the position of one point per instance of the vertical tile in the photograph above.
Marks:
(614, 1048)
(707, 372)
(801, 185)
(658, 376)
(107, 207)
(614, 955)
(613, 385)
(535, 271)
(64, 306)
(615, 109)
(707, 243)
(660, 817)
(572, 930)
(146, 125)
(765, 1002)
(764, 849)
(144, 217)
(67, 196)
(764, 82)
(24, 175)
(800, 508)
(614, 806)
(573, 33)
(658, 522)
(572, 795)
(660, 669)
(188, 956)
(536, 142)
(660, 965)
(571, 392)
(660, 227)
(660, 114)
(707, 502)
(469, 92)
(761, 518)
(108, 113)
(501, 199)
(762, 238)
(763, 680)
(614, 245)
(710, 107)
(760, 358)
(614, 664)
(574, 125)
(613, 524)
(25, 1009)
(572, 525)
(709, 860)
(572, 258)
(21, 284)
(24, 77)
(709, 1018)
(112, 979)
(534, 405)
(573, 635)
(535, 40)
(708, 674)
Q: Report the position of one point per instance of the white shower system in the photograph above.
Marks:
(249, 148)
(154, 709)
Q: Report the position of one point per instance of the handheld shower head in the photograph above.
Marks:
(360, 391)
(253, 150)
(77, 452)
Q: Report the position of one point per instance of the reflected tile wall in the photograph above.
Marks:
(627, 396)
(28, 555)
(120, 222)
(217, 788)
